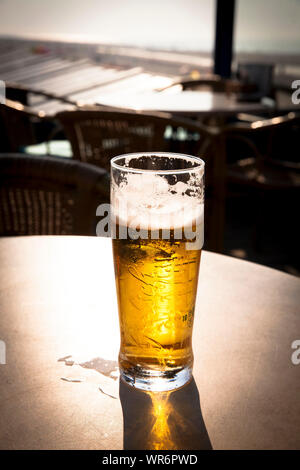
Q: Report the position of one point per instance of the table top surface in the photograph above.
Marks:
(187, 103)
(59, 388)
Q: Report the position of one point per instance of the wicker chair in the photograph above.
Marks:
(49, 195)
(96, 136)
(272, 160)
(270, 168)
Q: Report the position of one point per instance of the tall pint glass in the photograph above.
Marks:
(157, 219)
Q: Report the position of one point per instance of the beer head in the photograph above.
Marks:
(152, 192)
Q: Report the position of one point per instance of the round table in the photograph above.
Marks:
(191, 103)
(59, 331)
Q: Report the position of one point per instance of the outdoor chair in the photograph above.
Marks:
(97, 136)
(49, 195)
(275, 160)
(268, 166)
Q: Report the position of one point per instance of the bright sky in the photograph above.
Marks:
(138, 22)
(183, 24)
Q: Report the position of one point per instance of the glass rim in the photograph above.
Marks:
(182, 156)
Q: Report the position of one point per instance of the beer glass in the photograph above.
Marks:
(157, 221)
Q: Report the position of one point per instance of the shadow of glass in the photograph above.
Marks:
(163, 420)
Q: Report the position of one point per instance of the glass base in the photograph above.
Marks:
(156, 381)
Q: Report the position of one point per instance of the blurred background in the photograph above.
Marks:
(84, 81)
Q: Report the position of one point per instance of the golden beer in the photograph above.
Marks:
(156, 285)
(156, 280)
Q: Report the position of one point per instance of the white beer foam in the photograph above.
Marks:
(148, 202)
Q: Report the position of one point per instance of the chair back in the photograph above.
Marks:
(97, 136)
(269, 140)
(42, 195)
